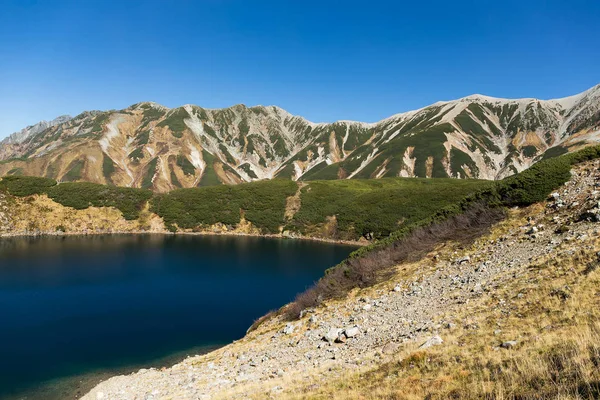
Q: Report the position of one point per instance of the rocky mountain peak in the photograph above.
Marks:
(149, 145)
(31, 130)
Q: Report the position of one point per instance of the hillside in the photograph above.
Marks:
(150, 146)
(510, 312)
(333, 210)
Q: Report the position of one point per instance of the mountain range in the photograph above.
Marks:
(151, 146)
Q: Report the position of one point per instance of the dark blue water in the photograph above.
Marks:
(75, 305)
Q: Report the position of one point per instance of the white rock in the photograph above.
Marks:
(433, 341)
(508, 345)
(100, 395)
(351, 332)
(332, 334)
(289, 329)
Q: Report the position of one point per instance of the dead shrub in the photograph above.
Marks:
(378, 265)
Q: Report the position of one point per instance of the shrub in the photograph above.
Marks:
(74, 173)
(262, 203)
(186, 166)
(149, 175)
(175, 121)
(375, 208)
(26, 185)
(108, 167)
(81, 195)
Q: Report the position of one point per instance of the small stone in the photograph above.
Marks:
(433, 341)
(390, 348)
(289, 329)
(509, 345)
(100, 396)
(276, 389)
(464, 260)
(351, 332)
(397, 288)
(367, 307)
(332, 335)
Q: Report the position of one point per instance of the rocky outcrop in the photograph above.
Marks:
(32, 130)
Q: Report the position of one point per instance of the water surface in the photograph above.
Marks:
(75, 308)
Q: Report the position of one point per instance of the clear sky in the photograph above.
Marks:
(324, 60)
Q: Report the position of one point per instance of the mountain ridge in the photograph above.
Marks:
(38, 127)
(153, 146)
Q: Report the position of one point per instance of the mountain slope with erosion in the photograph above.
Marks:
(150, 146)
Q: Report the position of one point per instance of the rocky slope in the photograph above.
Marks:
(33, 130)
(148, 145)
(507, 291)
(39, 215)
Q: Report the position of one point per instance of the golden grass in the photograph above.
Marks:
(40, 213)
(551, 310)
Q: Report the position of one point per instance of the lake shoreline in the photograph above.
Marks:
(79, 384)
(357, 243)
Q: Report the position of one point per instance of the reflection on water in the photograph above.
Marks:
(71, 305)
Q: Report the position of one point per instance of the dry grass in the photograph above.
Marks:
(552, 311)
(40, 213)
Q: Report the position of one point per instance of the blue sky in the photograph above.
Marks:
(324, 60)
